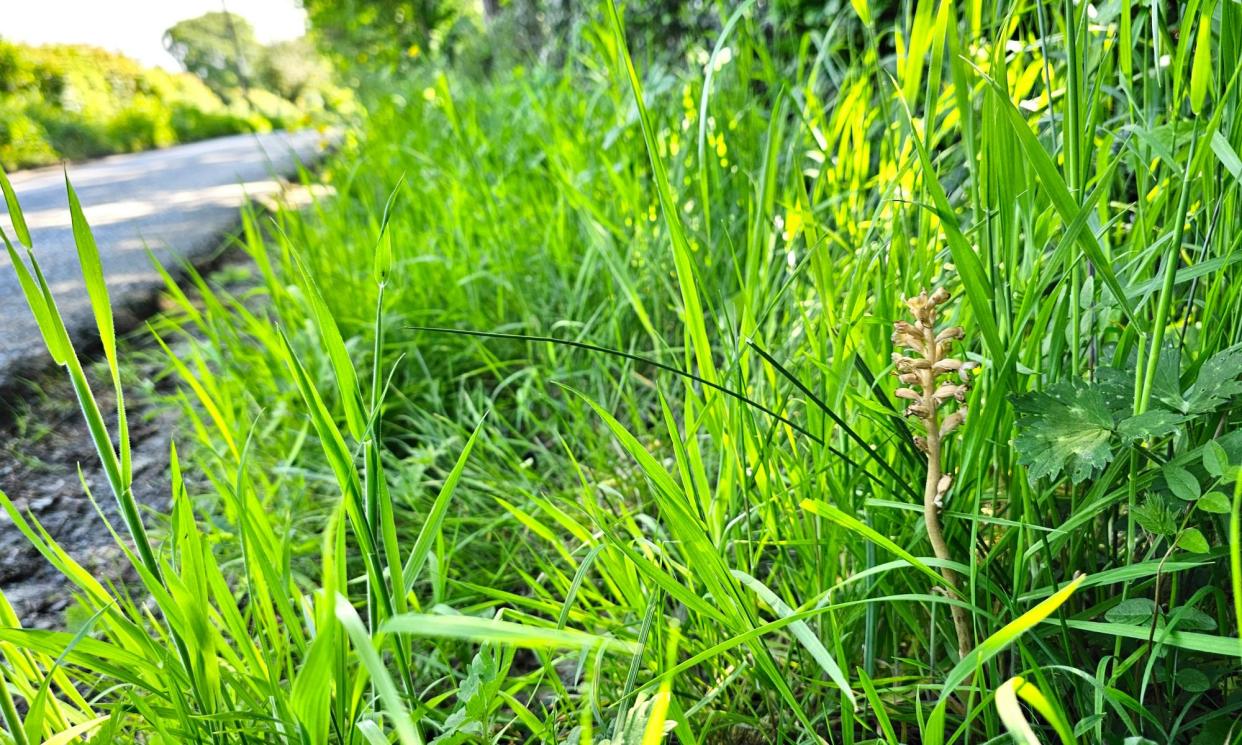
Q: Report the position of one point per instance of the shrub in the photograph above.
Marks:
(144, 124)
(71, 102)
(23, 142)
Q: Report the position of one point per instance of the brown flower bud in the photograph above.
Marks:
(949, 390)
(953, 421)
(908, 340)
(964, 372)
(952, 333)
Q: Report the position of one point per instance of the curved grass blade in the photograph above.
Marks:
(407, 734)
(15, 211)
(851, 523)
(988, 649)
(494, 631)
(871, 453)
(629, 356)
(801, 632)
(1015, 721)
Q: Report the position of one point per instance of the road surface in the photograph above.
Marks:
(178, 202)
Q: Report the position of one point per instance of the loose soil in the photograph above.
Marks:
(44, 443)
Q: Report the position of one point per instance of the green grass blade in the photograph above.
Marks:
(15, 211)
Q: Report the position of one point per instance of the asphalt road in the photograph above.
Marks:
(177, 202)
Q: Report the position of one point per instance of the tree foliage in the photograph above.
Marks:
(219, 48)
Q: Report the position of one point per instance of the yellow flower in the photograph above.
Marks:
(414, 51)
(794, 222)
(429, 94)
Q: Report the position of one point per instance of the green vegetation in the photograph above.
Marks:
(71, 102)
(75, 102)
(576, 416)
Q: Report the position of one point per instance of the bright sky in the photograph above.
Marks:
(136, 27)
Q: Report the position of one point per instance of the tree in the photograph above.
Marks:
(383, 33)
(292, 68)
(220, 48)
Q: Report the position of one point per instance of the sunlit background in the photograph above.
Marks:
(136, 28)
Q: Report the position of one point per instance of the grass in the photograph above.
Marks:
(570, 417)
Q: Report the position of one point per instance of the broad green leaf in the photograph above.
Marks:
(1193, 541)
(1067, 428)
(1192, 680)
(1215, 459)
(1193, 619)
(1213, 502)
(1181, 483)
(1132, 611)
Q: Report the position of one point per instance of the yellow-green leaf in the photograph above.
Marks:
(1201, 66)
(1015, 721)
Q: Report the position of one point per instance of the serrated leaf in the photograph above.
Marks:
(1132, 612)
(1215, 459)
(1149, 424)
(1214, 502)
(1067, 429)
(1117, 387)
(1167, 386)
(1217, 382)
(1192, 680)
(1183, 485)
(1155, 517)
(1193, 541)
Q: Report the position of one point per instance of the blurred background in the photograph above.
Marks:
(81, 79)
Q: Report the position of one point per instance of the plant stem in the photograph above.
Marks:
(931, 491)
